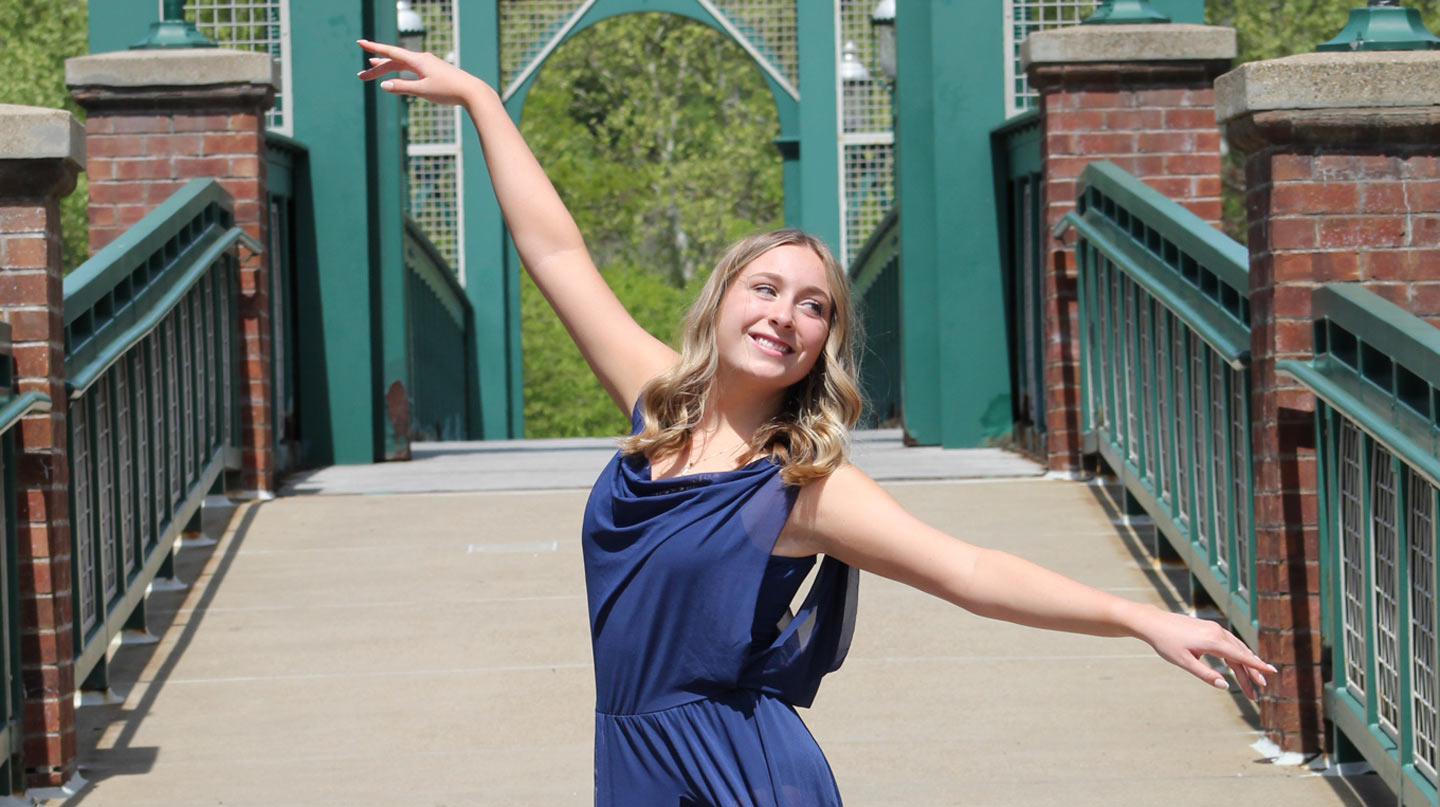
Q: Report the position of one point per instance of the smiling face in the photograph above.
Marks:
(774, 319)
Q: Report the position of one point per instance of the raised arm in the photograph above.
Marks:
(622, 354)
(851, 517)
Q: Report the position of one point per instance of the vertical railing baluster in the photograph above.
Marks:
(187, 393)
(1219, 453)
(82, 525)
(125, 469)
(1179, 361)
(1384, 582)
(1422, 606)
(1199, 404)
(172, 422)
(1352, 557)
(105, 488)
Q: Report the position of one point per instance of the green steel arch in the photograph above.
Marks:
(808, 144)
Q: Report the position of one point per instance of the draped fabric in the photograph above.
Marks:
(674, 571)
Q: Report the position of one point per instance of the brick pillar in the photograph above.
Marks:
(1342, 184)
(1139, 96)
(158, 118)
(41, 151)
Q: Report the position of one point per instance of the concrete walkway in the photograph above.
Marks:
(431, 649)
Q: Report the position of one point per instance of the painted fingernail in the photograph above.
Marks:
(387, 85)
(1262, 679)
(1220, 683)
(1272, 668)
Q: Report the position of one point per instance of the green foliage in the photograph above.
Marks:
(1269, 29)
(562, 397)
(657, 131)
(36, 37)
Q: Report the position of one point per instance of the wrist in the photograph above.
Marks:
(1135, 618)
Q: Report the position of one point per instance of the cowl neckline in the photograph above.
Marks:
(637, 474)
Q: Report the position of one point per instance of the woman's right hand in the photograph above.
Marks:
(436, 79)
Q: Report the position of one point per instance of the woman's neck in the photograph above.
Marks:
(733, 410)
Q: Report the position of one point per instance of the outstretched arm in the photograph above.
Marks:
(620, 352)
(851, 517)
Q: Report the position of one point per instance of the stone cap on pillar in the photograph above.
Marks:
(178, 77)
(41, 150)
(1164, 42)
(1332, 97)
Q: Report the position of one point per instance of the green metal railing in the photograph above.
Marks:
(440, 324)
(1376, 374)
(1015, 146)
(13, 407)
(875, 277)
(284, 170)
(1165, 383)
(151, 338)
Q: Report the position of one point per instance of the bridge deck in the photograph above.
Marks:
(405, 647)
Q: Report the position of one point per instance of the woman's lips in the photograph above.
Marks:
(771, 345)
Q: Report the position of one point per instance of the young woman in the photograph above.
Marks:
(734, 477)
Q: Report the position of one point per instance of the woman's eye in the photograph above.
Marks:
(815, 308)
(765, 289)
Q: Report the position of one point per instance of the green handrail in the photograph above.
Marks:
(431, 267)
(79, 378)
(880, 248)
(15, 407)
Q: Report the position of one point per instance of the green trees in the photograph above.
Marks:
(658, 133)
(36, 37)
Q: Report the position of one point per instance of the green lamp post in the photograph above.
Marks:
(173, 31)
(1383, 25)
(1116, 12)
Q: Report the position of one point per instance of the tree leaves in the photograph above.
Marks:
(658, 132)
(36, 37)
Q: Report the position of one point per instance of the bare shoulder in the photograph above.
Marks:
(841, 508)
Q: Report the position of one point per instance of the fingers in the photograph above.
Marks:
(393, 51)
(379, 67)
(399, 86)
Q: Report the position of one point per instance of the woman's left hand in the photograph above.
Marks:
(1183, 640)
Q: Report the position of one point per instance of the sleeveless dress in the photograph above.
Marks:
(698, 662)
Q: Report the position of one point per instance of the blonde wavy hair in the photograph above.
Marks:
(809, 437)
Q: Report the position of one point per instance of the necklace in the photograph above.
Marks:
(700, 456)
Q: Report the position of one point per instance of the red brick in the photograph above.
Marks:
(1282, 648)
(1199, 118)
(1280, 612)
(1103, 100)
(144, 168)
(21, 218)
(244, 143)
(1192, 164)
(209, 166)
(173, 144)
(1425, 230)
(1291, 166)
(114, 193)
(128, 215)
(1381, 197)
(244, 167)
(24, 252)
(1118, 119)
(1424, 196)
(1339, 232)
(242, 188)
(1296, 233)
(1425, 299)
(1153, 142)
(1172, 187)
(137, 124)
(1289, 198)
(158, 191)
(108, 146)
(1076, 120)
(1163, 97)
(202, 123)
(1207, 209)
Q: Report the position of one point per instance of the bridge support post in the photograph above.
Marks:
(1139, 96)
(157, 119)
(41, 151)
(1342, 185)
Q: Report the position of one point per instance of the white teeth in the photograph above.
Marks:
(772, 344)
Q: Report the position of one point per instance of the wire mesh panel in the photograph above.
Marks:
(125, 465)
(1160, 370)
(1117, 342)
(869, 192)
(1203, 531)
(1098, 306)
(187, 393)
(82, 526)
(1240, 499)
(1420, 529)
(1385, 538)
(158, 432)
(436, 196)
(255, 25)
(172, 400)
(1352, 556)
(1144, 368)
(212, 371)
(227, 351)
(145, 502)
(867, 127)
(771, 27)
(1180, 385)
(1127, 327)
(1021, 19)
(434, 201)
(105, 487)
(1219, 426)
(526, 27)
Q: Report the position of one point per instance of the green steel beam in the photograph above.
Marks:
(332, 112)
(118, 24)
(956, 388)
(487, 278)
(394, 393)
(1181, 10)
(819, 169)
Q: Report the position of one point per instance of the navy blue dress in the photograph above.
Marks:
(698, 662)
